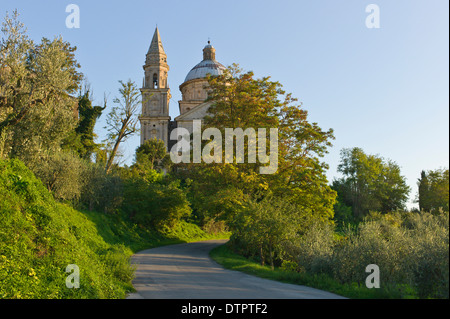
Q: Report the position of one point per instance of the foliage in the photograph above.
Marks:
(283, 218)
(370, 183)
(433, 190)
(62, 173)
(152, 154)
(313, 250)
(37, 111)
(36, 80)
(39, 237)
(263, 228)
(218, 190)
(411, 250)
(101, 191)
(225, 256)
(157, 203)
(81, 139)
(343, 214)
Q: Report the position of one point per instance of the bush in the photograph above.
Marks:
(101, 191)
(314, 249)
(158, 204)
(411, 250)
(40, 237)
(373, 243)
(430, 266)
(62, 173)
(213, 226)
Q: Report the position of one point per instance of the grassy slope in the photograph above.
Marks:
(40, 237)
(230, 260)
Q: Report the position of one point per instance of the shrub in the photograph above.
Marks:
(62, 173)
(157, 204)
(315, 248)
(213, 226)
(411, 250)
(39, 237)
(429, 264)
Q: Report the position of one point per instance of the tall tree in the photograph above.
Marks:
(370, 183)
(85, 129)
(433, 190)
(81, 140)
(35, 79)
(122, 121)
(239, 100)
(151, 154)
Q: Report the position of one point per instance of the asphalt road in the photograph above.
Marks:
(186, 271)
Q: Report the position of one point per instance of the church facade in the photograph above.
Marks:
(155, 119)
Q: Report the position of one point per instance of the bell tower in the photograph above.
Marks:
(155, 117)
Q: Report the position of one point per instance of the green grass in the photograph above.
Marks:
(230, 260)
(39, 237)
(118, 229)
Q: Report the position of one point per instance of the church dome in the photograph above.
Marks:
(209, 65)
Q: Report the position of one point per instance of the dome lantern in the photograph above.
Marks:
(209, 65)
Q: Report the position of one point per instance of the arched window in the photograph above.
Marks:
(155, 81)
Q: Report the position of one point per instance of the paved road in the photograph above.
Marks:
(186, 271)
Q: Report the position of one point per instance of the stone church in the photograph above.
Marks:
(155, 120)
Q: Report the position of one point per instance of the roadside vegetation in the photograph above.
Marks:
(411, 249)
(225, 256)
(40, 237)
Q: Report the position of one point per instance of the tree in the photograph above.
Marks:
(240, 101)
(370, 183)
(154, 199)
(265, 227)
(150, 154)
(122, 121)
(63, 175)
(36, 81)
(82, 138)
(37, 109)
(433, 190)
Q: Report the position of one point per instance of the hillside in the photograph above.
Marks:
(40, 237)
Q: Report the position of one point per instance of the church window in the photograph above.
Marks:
(155, 81)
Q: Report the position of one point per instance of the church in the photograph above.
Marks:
(155, 120)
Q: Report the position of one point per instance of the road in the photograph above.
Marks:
(186, 271)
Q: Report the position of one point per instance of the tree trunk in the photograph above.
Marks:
(113, 154)
(261, 254)
(271, 257)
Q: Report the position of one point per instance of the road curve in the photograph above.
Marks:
(186, 271)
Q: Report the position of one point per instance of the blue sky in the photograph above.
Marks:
(384, 90)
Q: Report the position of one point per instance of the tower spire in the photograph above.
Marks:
(156, 45)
